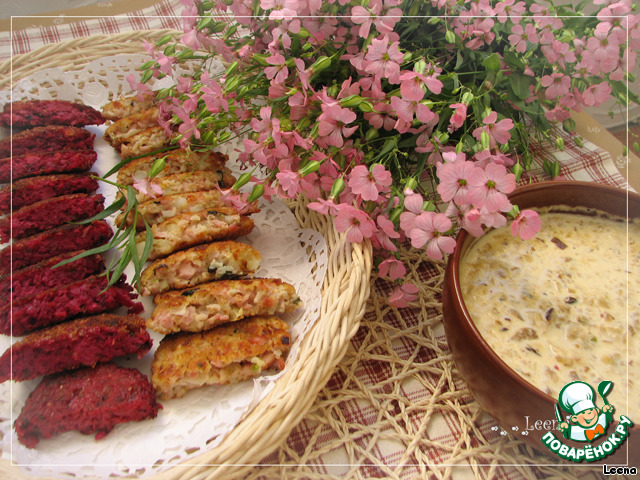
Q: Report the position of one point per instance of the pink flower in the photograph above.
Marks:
(596, 94)
(413, 207)
(356, 223)
(489, 189)
(290, 182)
(237, 200)
(386, 232)
(411, 87)
(526, 225)
(407, 109)
(520, 36)
(393, 268)
(325, 207)
(282, 9)
(498, 132)
(333, 124)
(468, 218)
(384, 59)
(428, 230)
(403, 294)
(454, 180)
(458, 117)
(384, 20)
(147, 187)
(279, 72)
(369, 183)
(557, 85)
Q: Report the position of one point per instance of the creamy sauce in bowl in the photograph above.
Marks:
(562, 306)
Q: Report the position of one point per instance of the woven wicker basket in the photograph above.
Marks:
(344, 295)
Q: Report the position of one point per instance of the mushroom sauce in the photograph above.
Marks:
(562, 306)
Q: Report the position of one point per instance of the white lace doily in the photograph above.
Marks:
(185, 427)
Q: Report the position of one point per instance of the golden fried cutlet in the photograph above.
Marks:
(187, 230)
(121, 129)
(175, 161)
(167, 206)
(211, 304)
(224, 355)
(129, 105)
(200, 264)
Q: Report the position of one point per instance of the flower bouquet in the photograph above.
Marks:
(405, 120)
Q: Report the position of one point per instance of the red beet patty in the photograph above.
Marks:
(50, 243)
(84, 297)
(45, 163)
(79, 343)
(30, 190)
(89, 400)
(42, 276)
(47, 139)
(36, 113)
(50, 213)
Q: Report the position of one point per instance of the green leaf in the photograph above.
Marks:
(513, 60)
(101, 249)
(520, 85)
(492, 62)
(114, 207)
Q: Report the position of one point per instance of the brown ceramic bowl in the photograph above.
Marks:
(499, 390)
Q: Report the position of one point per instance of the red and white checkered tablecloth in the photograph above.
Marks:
(163, 15)
(388, 395)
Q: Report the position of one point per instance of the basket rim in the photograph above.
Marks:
(344, 295)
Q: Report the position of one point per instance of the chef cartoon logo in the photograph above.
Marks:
(585, 422)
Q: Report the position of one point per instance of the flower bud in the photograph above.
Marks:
(209, 137)
(285, 124)
(169, 50)
(312, 166)
(231, 69)
(146, 76)
(450, 37)
(242, 181)
(337, 188)
(231, 31)
(485, 140)
(231, 84)
(314, 130)
(366, 106)
(157, 167)
(351, 101)
(256, 193)
(371, 134)
(560, 143)
(303, 124)
(517, 171)
(467, 98)
(578, 141)
(303, 33)
(333, 90)
(411, 183)
(185, 54)
(419, 66)
(260, 60)
(164, 40)
(321, 64)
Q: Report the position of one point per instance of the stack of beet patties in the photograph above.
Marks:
(47, 162)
